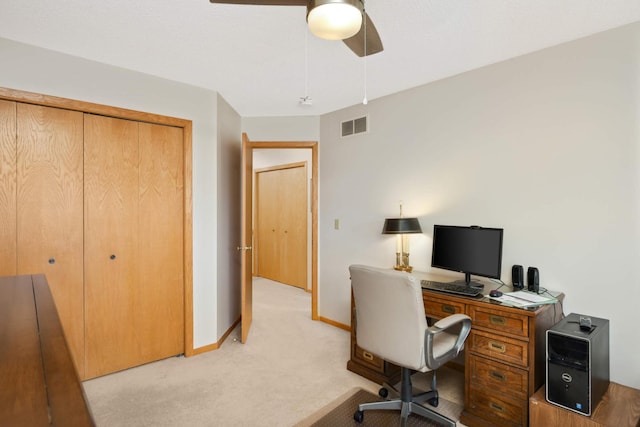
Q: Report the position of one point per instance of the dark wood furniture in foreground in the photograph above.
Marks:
(504, 354)
(40, 385)
(619, 407)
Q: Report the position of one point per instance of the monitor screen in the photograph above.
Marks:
(469, 250)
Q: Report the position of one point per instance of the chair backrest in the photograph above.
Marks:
(390, 318)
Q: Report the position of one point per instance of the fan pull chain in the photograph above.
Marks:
(306, 63)
(306, 99)
(364, 17)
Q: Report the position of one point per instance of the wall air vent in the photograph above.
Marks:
(355, 126)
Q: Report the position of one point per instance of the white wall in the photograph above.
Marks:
(268, 157)
(545, 146)
(47, 72)
(299, 128)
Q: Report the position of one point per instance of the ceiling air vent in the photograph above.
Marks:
(355, 126)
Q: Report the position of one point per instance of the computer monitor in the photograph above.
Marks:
(469, 250)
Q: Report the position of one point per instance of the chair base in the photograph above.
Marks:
(408, 403)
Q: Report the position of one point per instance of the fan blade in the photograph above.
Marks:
(356, 43)
(264, 2)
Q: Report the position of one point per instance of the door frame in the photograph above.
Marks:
(313, 146)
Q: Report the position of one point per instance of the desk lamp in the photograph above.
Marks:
(401, 227)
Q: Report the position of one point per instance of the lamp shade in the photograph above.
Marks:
(401, 226)
(334, 19)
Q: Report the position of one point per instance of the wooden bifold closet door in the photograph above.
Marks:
(282, 224)
(8, 147)
(133, 243)
(49, 214)
(97, 205)
(41, 206)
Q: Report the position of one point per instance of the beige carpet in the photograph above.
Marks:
(290, 368)
(340, 413)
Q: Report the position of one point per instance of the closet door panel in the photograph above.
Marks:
(268, 231)
(111, 244)
(8, 188)
(294, 219)
(50, 210)
(160, 311)
(282, 225)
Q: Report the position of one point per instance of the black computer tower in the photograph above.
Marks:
(578, 362)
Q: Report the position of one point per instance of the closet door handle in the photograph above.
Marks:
(112, 257)
(52, 260)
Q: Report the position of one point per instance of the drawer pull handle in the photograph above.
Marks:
(367, 355)
(497, 375)
(497, 320)
(496, 407)
(497, 346)
(446, 308)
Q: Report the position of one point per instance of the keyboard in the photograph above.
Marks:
(451, 288)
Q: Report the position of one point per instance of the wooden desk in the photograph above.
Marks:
(40, 386)
(504, 355)
(619, 407)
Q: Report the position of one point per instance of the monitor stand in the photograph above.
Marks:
(467, 281)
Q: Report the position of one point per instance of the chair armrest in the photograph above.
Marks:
(449, 321)
(439, 327)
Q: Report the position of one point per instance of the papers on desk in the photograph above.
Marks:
(524, 299)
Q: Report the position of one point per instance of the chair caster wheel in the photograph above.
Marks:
(383, 393)
(358, 416)
(433, 402)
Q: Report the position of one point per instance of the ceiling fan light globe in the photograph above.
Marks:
(333, 20)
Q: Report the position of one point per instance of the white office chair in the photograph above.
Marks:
(391, 324)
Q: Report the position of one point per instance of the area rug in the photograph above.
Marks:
(339, 413)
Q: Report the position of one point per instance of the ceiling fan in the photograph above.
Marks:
(322, 16)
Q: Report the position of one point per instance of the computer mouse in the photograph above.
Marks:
(495, 293)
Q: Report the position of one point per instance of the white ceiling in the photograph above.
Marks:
(261, 60)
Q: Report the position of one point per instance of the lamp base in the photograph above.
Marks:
(406, 268)
(402, 262)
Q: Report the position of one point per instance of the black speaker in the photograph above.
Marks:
(533, 279)
(517, 277)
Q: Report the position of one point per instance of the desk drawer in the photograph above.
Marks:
(498, 376)
(365, 358)
(498, 347)
(497, 408)
(439, 308)
(501, 321)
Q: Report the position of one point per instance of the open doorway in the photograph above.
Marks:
(282, 216)
(247, 219)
